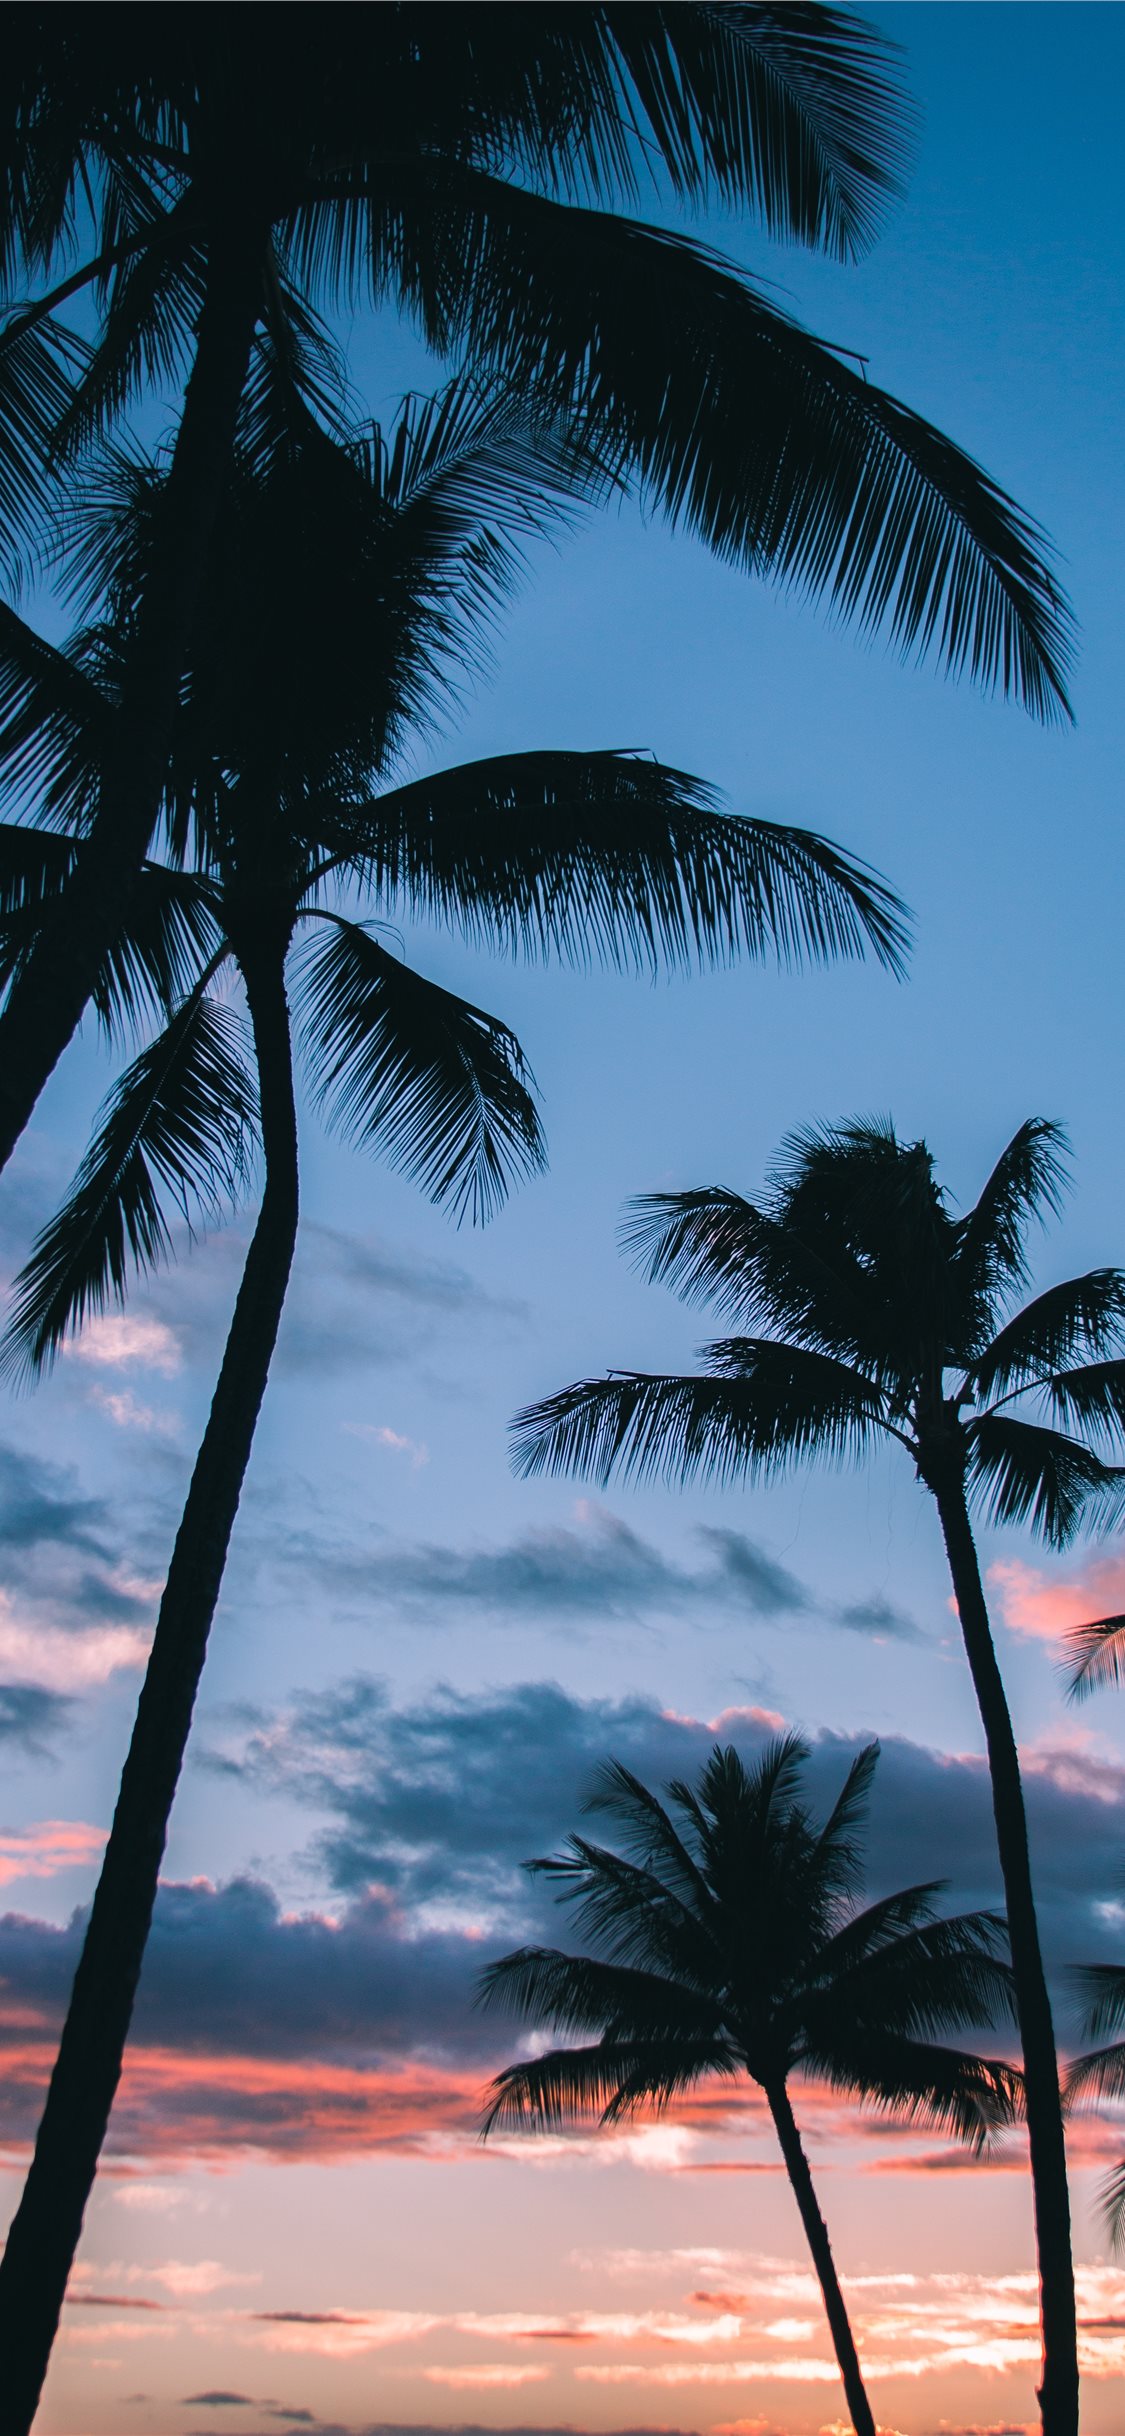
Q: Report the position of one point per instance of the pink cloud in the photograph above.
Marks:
(1043, 1606)
(125, 1412)
(51, 1845)
(490, 2374)
(61, 1661)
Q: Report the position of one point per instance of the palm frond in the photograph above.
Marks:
(1022, 1473)
(615, 858)
(1028, 1182)
(1084, 1316)
(633, 1915)
(1095, 1394)
(1112, 2199)
(53, 725)
(1095, 1655)
(39, 367)
(650, 1834)
(839, 1846)
(735, 421)
(602, 2085)
(1103, 1984)
(972, 2096)
(572, 1992)
(915, 1977)
(177, 1124)
(172, 931)
(408, 1067)
(779, 1404)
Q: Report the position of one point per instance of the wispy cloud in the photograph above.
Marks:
(1043, 1606)
(391, 1440)
(52, 1845)
(116, 1340)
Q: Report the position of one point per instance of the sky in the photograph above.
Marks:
(418, 1660)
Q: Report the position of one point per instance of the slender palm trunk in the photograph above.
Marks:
(1058, 2393)
(816, 2234)
(48, 1000)
(45, 2231)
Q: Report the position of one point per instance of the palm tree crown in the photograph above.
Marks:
(727, 1939)
(870, 1293)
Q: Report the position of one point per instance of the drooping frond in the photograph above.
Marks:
(172, 931)
(176, 1127)
(439, 1086)
(902, 1970)
(633, 1915)
(737, 423)
(602, 2085)
(972, 2096)
(572, 1993)
(39, 365)
(1112, 2198)
(650, 1834)
(1021, 1473)
(53, 725)
(615, 858)
(1094, 1394)
(1103, 1985)
(1095, 1655)
(1083, 1319)
(778, 1404)
(839, 1846)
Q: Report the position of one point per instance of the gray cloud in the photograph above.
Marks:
(31, 1716)
(40, 1507)
(877, 1618)
(442, 1801)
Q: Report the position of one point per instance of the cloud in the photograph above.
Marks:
(1044, 1606)
(125, 1412)
(877, 1618)
(57, 1658)
(73, 1612)
(43, 1850)
(32, 1715)
(40, 1507)
(394, 1443)
(117, 1339)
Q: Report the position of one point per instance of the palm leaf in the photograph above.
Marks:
(53, 725)
(1097, 1655)
(972, 2096)
(1084, 1315)
(1094, 1393)
(781, 1404)
(605, 2084)
(38, 368)
(176, 1126)
(612, 857)
(650, 1834)
(1027, 1182)
(431, 1080)
(1029, 1474)
(572, 1992)
(1104, 1987)
(739, 424)
(839, 1846)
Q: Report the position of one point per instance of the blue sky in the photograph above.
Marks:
(382, 1535)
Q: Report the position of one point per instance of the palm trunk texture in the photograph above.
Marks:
(48, 1000)
(816, 2234)
(46, 2228)
(1058, 2393)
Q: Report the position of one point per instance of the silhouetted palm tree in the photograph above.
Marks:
(467, 166)
(728, 1940)
(870, 1294)
(344, 585)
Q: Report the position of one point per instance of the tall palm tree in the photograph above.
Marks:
(344, 582)
(728, 1940)
(883, 1316)
(469, 167)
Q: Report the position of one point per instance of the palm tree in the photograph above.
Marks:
(1096, 1652)
(870, 1293)
(344, 582)
(469, 168)
(732, 1942)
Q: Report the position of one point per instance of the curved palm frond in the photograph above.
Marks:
(439, 1085)
(615, 858)
(777, 1404)
(632, 1914)
(571, 1992)
(173, 930)
(178, 1124)
(972, 2096)
(575, 2086)
(741, 426)
(911, 1973)
(53, 725)
(649, 1831)
(1096, 1655)
(1022, 1473)
(1104, 1987)
(1082, 1316)
(839, 1846)
(1095, 1394)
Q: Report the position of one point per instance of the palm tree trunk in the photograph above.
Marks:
(46, 2229)
(48, 1000)
(816, 2234)
(1058, 2393)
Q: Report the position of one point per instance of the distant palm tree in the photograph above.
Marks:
(466, 166)
(870, 1294)
(733, 1943)
(346, 582)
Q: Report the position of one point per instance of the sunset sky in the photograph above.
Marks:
(418, 1660)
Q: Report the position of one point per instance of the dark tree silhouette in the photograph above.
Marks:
(728, 1940)
(869, 1293)
(467, 166)
(346, 584)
